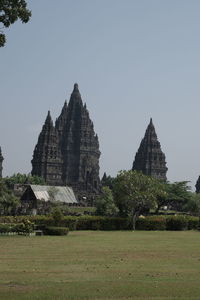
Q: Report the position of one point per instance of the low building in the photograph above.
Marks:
(37, 198)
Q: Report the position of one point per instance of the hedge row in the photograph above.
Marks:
(111, 223)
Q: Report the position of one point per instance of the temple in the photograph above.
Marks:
(149, 158)
(1, 163)
(68, 153)
(197, 185)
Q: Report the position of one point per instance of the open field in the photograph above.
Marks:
(101, 265)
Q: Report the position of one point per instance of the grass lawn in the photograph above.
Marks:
(101, 265)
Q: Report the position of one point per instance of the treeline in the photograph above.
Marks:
(132, 194)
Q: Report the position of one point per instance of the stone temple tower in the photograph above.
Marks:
(68, 153)
(47, 161)
(149, 158)
(1, 163)
(197, 185)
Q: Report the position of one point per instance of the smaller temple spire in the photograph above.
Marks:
(1, 161)
(149, 158)
(197, 185)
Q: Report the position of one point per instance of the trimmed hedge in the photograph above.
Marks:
(52, 230)
(151, 223)
(179, 222)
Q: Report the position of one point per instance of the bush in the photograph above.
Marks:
(176, 223)
(52, 230)
(151, 223)
(193, 223)
(4, 228)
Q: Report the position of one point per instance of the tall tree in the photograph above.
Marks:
(134, 192)
(10, 12)
(105, 205)
(8, 202)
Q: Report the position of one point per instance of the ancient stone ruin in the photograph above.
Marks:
(149, 158)
(67, 153)
(1, 163)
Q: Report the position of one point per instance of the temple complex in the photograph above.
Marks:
(68, 153)
(1, 163)
(149, 158)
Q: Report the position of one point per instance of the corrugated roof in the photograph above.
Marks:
(61, 193)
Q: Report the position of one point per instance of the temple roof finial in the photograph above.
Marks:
(48, 119)
(76, 90)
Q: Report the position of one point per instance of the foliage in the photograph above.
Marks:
(5, 228)
(25, 227)
(177, 223)
(23, 179)
(175, 195)
(8, 202)
(57, 216)
(193, 204)
(105, 205)
(10, 12)
(107, 181)
(155, 222)
(151, 223)
(134, 193)
(56, 230)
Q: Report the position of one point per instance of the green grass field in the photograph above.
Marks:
(101, 265)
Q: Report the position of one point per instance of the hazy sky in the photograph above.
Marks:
(132, 59)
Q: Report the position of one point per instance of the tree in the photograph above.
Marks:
(107, 181)
(105, 205)
(8, 202)
(10, 12)
(193, 204)
(23, 179)
(134, 192)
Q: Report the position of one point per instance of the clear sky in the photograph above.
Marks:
(132, 59)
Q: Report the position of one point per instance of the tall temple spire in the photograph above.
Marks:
(1, 162)
(77, 150)
(46, 160)
(149, 158)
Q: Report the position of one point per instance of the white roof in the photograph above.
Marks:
(61, 193)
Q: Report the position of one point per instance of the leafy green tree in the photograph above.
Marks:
(193, 204)
(105, 205)
(57, 216)
(8, 202)
(107, 181)
(10, 12)
(23, 179)
(135, 192)
(176, 196)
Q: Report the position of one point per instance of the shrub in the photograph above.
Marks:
(4, 228)
(25, 227)
(176, 223)
(151, 223)
(57, 216)
(193, 223)
(52, 230)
